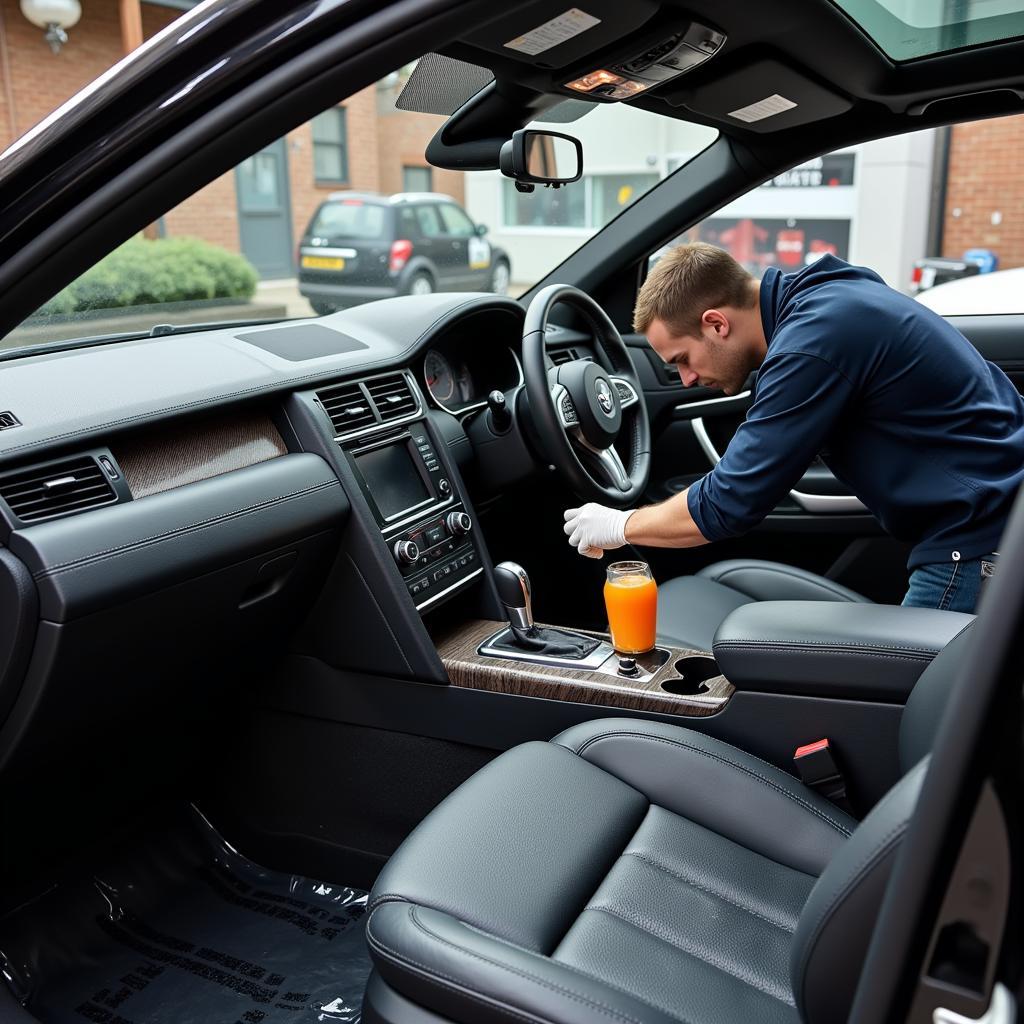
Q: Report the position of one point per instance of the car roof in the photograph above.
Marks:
(376, 199)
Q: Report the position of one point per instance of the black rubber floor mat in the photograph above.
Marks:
(176, 927)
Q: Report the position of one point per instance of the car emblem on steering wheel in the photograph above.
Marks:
(604, 398)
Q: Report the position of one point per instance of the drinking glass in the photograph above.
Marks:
(631, 599)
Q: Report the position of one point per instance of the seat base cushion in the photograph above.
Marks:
(628, 870)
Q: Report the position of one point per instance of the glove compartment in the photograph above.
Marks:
(154, 610)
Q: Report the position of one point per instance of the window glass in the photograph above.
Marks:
(875, 205)
(565, 207)
(350, 220)
(330, 144)
(308, 224)
(417, 179)
(429, 221)
(455, 221)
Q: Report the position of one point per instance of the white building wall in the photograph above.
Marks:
(886, 206)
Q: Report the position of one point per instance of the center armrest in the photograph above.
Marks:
(832, 649)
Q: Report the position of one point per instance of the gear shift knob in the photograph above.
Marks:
(514, 590)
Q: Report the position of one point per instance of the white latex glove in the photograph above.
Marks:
(593, 529)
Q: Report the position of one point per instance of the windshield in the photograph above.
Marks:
(345, 209)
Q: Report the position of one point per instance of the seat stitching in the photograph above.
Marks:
(704, 888)
(720, 965)
(444, 980)
(179, 530)
(879, 650)
(724, 760)
(538, 979)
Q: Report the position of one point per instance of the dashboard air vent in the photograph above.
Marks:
(348, 407)
(57, 489)
(8, 420)
(562, 355)
(392, 396)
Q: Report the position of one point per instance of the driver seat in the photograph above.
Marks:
(691, 608)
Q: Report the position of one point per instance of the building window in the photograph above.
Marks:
(587, 204)
(330, 146)
(417, 179)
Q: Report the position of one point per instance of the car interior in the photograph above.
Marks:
(307, 709)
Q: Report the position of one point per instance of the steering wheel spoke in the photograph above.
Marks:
(606, 460)
(626, 391)
(565, 408)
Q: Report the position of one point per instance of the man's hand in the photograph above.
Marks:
(594, 529)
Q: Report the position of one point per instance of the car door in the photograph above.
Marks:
(431, 244)
(460, 233)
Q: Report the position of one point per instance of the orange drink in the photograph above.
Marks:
(631, 598)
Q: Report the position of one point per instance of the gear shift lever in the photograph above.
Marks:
(514, 590)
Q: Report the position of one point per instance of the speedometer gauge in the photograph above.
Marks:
(440, 376)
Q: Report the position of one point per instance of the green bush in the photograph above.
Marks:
(144, 271)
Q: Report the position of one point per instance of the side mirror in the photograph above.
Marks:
(541, 158)
(481, 230)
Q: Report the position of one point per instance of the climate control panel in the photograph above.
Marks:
(436, 555)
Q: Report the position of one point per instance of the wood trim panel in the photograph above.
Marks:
(465, 667)
(186, 451)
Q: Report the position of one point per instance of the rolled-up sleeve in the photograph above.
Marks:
(799, 399)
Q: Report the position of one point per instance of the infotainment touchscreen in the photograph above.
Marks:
(392, 479)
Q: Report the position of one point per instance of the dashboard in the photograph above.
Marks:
(471, 358)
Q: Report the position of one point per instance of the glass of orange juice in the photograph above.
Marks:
(631, 598)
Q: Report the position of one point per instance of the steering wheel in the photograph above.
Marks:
(579, 408)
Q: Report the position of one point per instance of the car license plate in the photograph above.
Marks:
(323, 262)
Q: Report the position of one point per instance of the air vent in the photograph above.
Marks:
(562, 355)
(57, 489)
(392, 396)
(8, 420)
(348, 407)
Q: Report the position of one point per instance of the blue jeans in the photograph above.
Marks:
(953, 586)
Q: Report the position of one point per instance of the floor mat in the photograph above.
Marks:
(176, 927)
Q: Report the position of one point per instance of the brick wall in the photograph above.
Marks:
(984, 179)
(403, 138)
(363, 159)
(380, 142)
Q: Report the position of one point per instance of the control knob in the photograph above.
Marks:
(459, 523)
(407, 551)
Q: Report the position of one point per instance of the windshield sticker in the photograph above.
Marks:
(768, 107)
(551, 33)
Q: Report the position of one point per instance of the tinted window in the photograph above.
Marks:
(429, 221)
(350, 220)
(456, 222)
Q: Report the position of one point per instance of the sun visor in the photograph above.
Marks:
(552, 36)
(764, 96)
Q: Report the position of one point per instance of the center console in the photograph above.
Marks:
(420, 514)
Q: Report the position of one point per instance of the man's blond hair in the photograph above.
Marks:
(688, 280)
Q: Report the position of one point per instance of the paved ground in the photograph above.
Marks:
(285, 292)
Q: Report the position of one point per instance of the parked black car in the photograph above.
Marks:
(360, 247)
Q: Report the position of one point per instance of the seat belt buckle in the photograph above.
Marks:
(818, 770)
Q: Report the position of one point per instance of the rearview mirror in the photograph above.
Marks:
(541, 158)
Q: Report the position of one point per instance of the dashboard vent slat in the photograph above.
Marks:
(562, 355)
(392, 396)
(348, 407)
(57, 489)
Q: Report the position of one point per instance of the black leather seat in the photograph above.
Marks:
(691, 608)
(634, 872)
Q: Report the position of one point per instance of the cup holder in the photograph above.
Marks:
(691, 676)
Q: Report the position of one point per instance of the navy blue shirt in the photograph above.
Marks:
(898, 403)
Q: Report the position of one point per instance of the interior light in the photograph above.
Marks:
(628, 87)
(593, 80)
